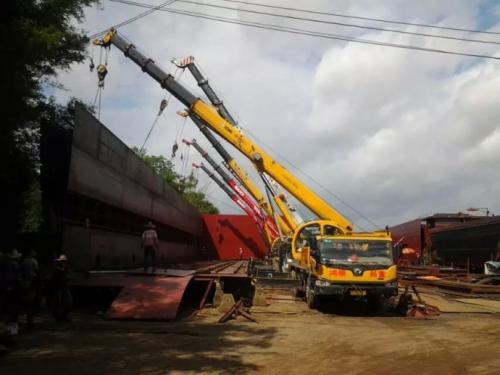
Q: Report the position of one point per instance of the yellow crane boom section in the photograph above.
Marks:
(268, 165)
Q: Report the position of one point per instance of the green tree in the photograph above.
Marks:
(186, 186)
(37, 38)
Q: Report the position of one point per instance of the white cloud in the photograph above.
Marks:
(396, 133)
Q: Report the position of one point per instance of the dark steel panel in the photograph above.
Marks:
(91, 248)
(104, 168)
(475, 242)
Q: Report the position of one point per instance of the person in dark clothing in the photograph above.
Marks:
(28, 279)
(62, 300)
(149, 244)
(2, 283)
(11, 285)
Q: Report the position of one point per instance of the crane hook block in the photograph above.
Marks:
(102, 71)
(174, 149)
(163, 105)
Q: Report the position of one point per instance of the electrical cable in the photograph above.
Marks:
(297, 31)
(364, 18)
(316, 182)
(337, 23)
(132, 19)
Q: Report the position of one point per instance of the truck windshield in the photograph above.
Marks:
(355, 251)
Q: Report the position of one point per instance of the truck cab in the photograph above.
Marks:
(332, 263)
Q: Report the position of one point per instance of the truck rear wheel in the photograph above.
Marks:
(311, 298)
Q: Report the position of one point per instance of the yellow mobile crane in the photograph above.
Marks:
(328, 257)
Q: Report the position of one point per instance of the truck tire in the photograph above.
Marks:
(311, 298)
(297, 293)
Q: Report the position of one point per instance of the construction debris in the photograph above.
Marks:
(237, 309)
(417, 310)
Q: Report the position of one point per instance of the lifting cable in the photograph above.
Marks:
(163, 104)
(194, 173)
(102, 71)
(185, 160)
(178, 134)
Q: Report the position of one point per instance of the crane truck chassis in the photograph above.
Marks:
(326, 255)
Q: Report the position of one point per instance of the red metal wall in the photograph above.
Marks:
(411, 231)
(225, 235)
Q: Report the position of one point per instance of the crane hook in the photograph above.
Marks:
(163, 105)
(102, 71)
(174, 149)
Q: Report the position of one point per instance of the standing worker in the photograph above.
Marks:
(28, 288)
(149, 244)
(62, 300)
(11, 284)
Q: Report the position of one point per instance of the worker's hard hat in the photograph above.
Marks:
(14, 254)
(62, 258)
(149, 224)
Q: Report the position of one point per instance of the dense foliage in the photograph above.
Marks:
(37, 38)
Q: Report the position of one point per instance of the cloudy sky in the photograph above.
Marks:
(395, 133)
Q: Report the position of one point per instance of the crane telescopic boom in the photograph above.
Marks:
(217, 123)
(234, 197)
(265, 221)
(202, 81)
(288, 221)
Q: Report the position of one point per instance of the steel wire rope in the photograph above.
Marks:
(99, 107)
(359, 213)
(97, 97)
(157, 117)
(186, 160)
(132, 19)
(297, 31)
(323, 13)
(336, 23)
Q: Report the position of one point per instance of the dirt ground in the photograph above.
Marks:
(288, 339)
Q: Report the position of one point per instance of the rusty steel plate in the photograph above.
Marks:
(149, 297)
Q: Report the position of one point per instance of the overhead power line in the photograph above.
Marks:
(364, 18)
(132, 19)
(292, 30)
(315, 20)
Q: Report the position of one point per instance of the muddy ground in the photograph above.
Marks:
(288, 339)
